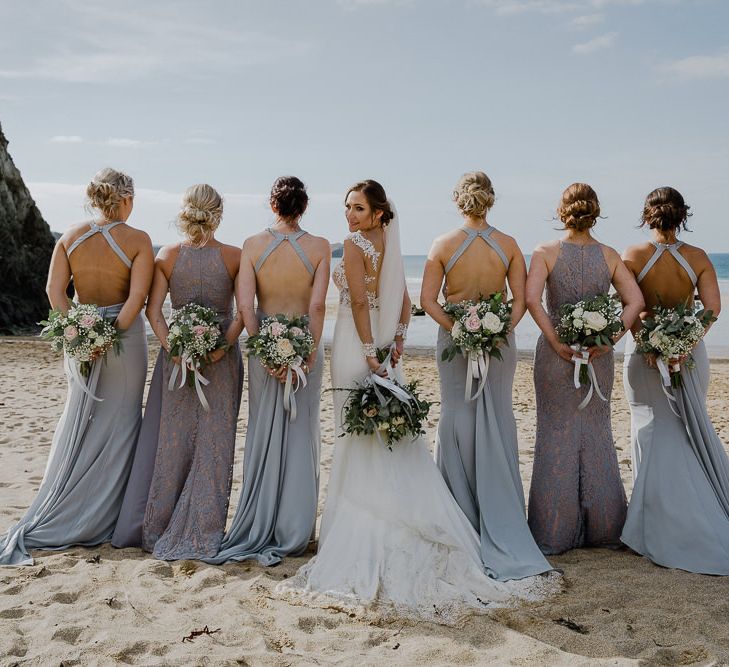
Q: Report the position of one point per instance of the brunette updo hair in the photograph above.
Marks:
(376, 198)
(200, 214)
(288, 196)
(665, 209)
(579, 208)
(107, 189)
(474, 194)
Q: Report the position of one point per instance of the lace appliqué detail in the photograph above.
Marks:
(340, 280)
(365, 245)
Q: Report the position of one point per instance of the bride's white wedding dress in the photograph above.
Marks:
(393, 540)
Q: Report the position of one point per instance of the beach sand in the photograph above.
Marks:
(104, 606)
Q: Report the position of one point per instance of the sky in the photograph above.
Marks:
(626, 95)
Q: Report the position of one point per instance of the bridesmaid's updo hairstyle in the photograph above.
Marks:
(665, 209)
(376, 198)
(288, 197)
(199, 217)
(474, 194)
(579, 208)
(107, 189)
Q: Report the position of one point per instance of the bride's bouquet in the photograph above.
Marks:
(383, 407)
(479, 328)
(284, 341)
(82, 333)
(671, 333)
(587, 323)
(194, 332)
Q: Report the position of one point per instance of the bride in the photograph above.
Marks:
(392, 538)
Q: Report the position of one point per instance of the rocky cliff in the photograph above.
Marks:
(26, 245)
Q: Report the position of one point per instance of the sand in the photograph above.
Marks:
(104, 606)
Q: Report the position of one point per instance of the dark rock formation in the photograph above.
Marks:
(26, 245)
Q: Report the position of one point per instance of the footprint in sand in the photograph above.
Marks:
(69, 635)
(309, 624)
(12, 613)
(65, 598)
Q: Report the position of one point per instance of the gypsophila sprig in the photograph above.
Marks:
(392, 415)
(281, 339)
(478, 326)
(590, 322)
(194, 332)
(671, 333)
(82, 333)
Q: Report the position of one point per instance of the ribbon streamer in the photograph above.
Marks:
(294, 368)
(477, 367)
(581, 357)
(665, 372)
(188, 363)
(75, 373)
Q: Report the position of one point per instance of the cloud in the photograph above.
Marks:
(160, 40)
(66, 139)
(122, 142)
(699, 67)
(596, 44)
(586, 20)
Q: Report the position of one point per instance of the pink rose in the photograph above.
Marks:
(296, 331)
(472, 310)
(87, 321)
(277, 328)
(70, 332)
(199, 330)
(473, 323)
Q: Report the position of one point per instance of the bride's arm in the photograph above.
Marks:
(354, 270)
(317, 302)
(402, 327)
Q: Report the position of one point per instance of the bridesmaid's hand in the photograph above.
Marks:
(598, 350)
(176, 360)
(309, 363)
(397, 352)
(564, 351)
(374, 365)
(650, 359)
(215, 355)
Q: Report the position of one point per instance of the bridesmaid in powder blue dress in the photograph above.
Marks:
(477, 446)
(285, 270)
(576, 497)
(177, 498)
(111, 266)
(679, 510)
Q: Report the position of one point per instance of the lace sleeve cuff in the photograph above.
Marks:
(369, 349)
(401, 330)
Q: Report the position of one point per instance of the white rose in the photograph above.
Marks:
(577, 323)
(655, 338)
(577, 312)
(596, 321)
(456, 330)
(175, 330)
(284, 347)
(492, 323)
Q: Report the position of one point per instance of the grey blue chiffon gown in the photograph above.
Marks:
(176, 501)
(477, 452)
(91, 455)
(576, 497)
(678, 514)
(276, 511)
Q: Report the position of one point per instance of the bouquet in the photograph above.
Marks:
(584, 324)
(284, 341)
(479, 328)
(194, 332)
(388, 409)
(671, 333)
(82, 333)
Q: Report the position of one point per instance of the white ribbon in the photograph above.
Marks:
(477, 367)
(665, 372)
(294, 368)
(80, 380)
(581, 357)
(187, 363)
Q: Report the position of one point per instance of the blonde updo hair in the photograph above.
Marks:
(579, 208)
(107, 189)
(199, 217)
(474, 194)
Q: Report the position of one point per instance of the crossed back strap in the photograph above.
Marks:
(471, 235)
(106, 233)
(277, 240)
(673, 250)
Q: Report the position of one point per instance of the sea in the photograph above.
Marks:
(423, 331)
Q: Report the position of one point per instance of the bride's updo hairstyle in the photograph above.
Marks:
(288, 197)
(376, 198)
(107, 189)
(665, 209)
(199, 217)
(474, 194)
(579, 208)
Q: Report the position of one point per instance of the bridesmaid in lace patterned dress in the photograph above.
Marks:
(177, 498)
(576, 498)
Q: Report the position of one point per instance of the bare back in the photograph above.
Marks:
(284, 277)
(101, 269)
(666, 282)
